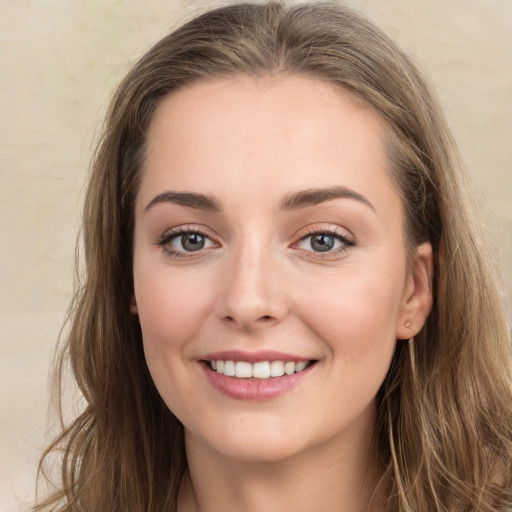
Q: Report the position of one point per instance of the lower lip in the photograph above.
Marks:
(254, 389)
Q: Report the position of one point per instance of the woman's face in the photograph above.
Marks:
(269, 241)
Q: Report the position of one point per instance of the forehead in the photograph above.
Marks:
(278, 132)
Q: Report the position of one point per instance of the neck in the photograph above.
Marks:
(332, 476)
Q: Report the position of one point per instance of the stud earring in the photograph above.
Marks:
(408, 324)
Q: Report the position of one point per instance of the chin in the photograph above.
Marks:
(250, 439)
(257, 449)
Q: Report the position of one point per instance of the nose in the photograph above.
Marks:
(253, 293)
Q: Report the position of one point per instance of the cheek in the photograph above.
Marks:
(354, 308)
(172, 307)
(355, 316)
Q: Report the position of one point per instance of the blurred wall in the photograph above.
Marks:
(59, 61)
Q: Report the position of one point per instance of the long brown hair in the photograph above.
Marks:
(444, 429)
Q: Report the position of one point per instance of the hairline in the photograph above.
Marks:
(389, 139)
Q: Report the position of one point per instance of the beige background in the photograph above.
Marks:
(60, 59)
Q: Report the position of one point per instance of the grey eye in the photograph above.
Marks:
(191, 242)
(322, 242)
(185, 242)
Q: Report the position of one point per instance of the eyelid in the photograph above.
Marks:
(343, 235)
(171, 234)
(346, 238)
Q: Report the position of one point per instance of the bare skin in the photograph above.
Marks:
(301, 484)
(267, 228)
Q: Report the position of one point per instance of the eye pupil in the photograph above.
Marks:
(192, 241)
(322, 242)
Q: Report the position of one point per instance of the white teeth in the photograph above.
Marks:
(260, 370)
(229, 368)
(289, 367)
(300, 366)
(243, 369)
(276, 368)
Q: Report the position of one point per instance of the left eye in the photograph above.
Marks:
(322, 242)
(189, 242)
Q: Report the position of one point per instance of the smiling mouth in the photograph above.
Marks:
(259, 370)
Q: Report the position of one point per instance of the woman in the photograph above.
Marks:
(286, 305)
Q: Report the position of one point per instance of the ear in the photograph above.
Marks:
(417, 300)
(133, 305)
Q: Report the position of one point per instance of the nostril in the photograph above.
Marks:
(264, 320)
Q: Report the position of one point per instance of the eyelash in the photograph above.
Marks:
(165, 240)
(345, 240)
(169, 236)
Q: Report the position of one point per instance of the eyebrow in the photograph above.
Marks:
(189, 199)
(314, 196)
(292, 201)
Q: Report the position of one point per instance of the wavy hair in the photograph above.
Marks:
(444, 418)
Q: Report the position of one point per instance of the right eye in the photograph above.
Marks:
(189, 242)
(182, 242)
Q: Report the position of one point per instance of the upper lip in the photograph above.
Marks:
(252, 357)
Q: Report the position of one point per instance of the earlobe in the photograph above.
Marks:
(418, 297)
(133, 305)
